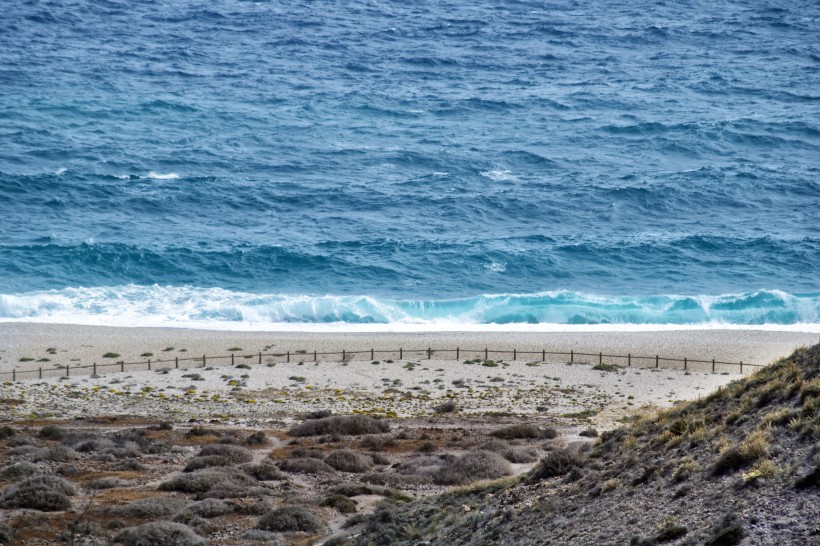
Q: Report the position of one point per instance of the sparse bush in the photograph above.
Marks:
(515, 432)
(589, 432)
(513, 454)
(108, 482)
(671, 530)
(264, 471)
(6, 433)
(208, 508)
(45, 493)
(235, 454)
(305, 466)
(477, 465)
(60, 454)
(166, 533)
(447, 407)
(52, 432)
(6, 534)
(20, 470)
(202, 481)
(341, 503)
(198, 463)
(200, 431)
(289, 519)
(151, 508)
(307, 453)
(318, 414)
(556, 463)
(111, 355)
(346, 460)
(257, 438)
(349, 425)
(733, 458)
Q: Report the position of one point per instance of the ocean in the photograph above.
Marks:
(440, 164)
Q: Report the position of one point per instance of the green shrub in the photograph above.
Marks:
(202, 481)
(265, 471)
(6, 534)
(289, 519)
(52, 432)
(235, 454)
(111, 355)
(447, 407)
(511, 453)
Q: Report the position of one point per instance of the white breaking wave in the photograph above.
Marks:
(158, 176)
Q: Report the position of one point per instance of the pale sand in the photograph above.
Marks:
(83, 345)
(287, 389)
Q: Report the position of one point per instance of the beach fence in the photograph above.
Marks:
(485, 356)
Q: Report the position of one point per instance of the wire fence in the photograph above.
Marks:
(476, 355)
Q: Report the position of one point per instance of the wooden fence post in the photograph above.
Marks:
(741, 367)
(287, 356)
(41, 372)
(572, 357)
(401, 353)
(14, 374)
(485, 354)
(657, 361)
(260, 357)
(232, 361)
(515, 355)
(122, 365)
(371, 353)
(176, 362)
(543, 355)
(149, 365)
(685, 363)
(429, 353)
(600, 358)
(344, 355)
(95, 368)
(68, 370)
(713, 365)
(458, 351)
(204, 360)
(314, 356)
(629, 359)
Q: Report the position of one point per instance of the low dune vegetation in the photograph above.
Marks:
(738, 466)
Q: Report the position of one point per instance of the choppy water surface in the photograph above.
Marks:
(429, 162)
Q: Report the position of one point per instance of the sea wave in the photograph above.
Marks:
(135, 305)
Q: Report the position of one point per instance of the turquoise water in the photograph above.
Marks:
(427, 163)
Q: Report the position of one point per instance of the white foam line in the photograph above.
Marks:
(430, 327)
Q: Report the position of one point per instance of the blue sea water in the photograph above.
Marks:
(431, 162)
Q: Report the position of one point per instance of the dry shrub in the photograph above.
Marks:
(341, 503)
(513, 454)
(424, 465)
(556, 463)
(754, 447)
(349, 425)
(516, 432)
(6, 534)
(52, 432)
(151, 508)
(289, 519)
(307, 453)
(346, 460)
(202, 481)
(264, 471)
(257, 438)
(478, 465)
(447, 407)
(20, 470)
(305, 466)
(235, 454)
(356, 489)
(198, 463)
(45, 493)
(209, 508)
(108, 482)
(166, 533)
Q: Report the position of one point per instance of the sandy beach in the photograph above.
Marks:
(250, 390)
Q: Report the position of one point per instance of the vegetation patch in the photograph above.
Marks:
(348, 425)
(289, 519)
